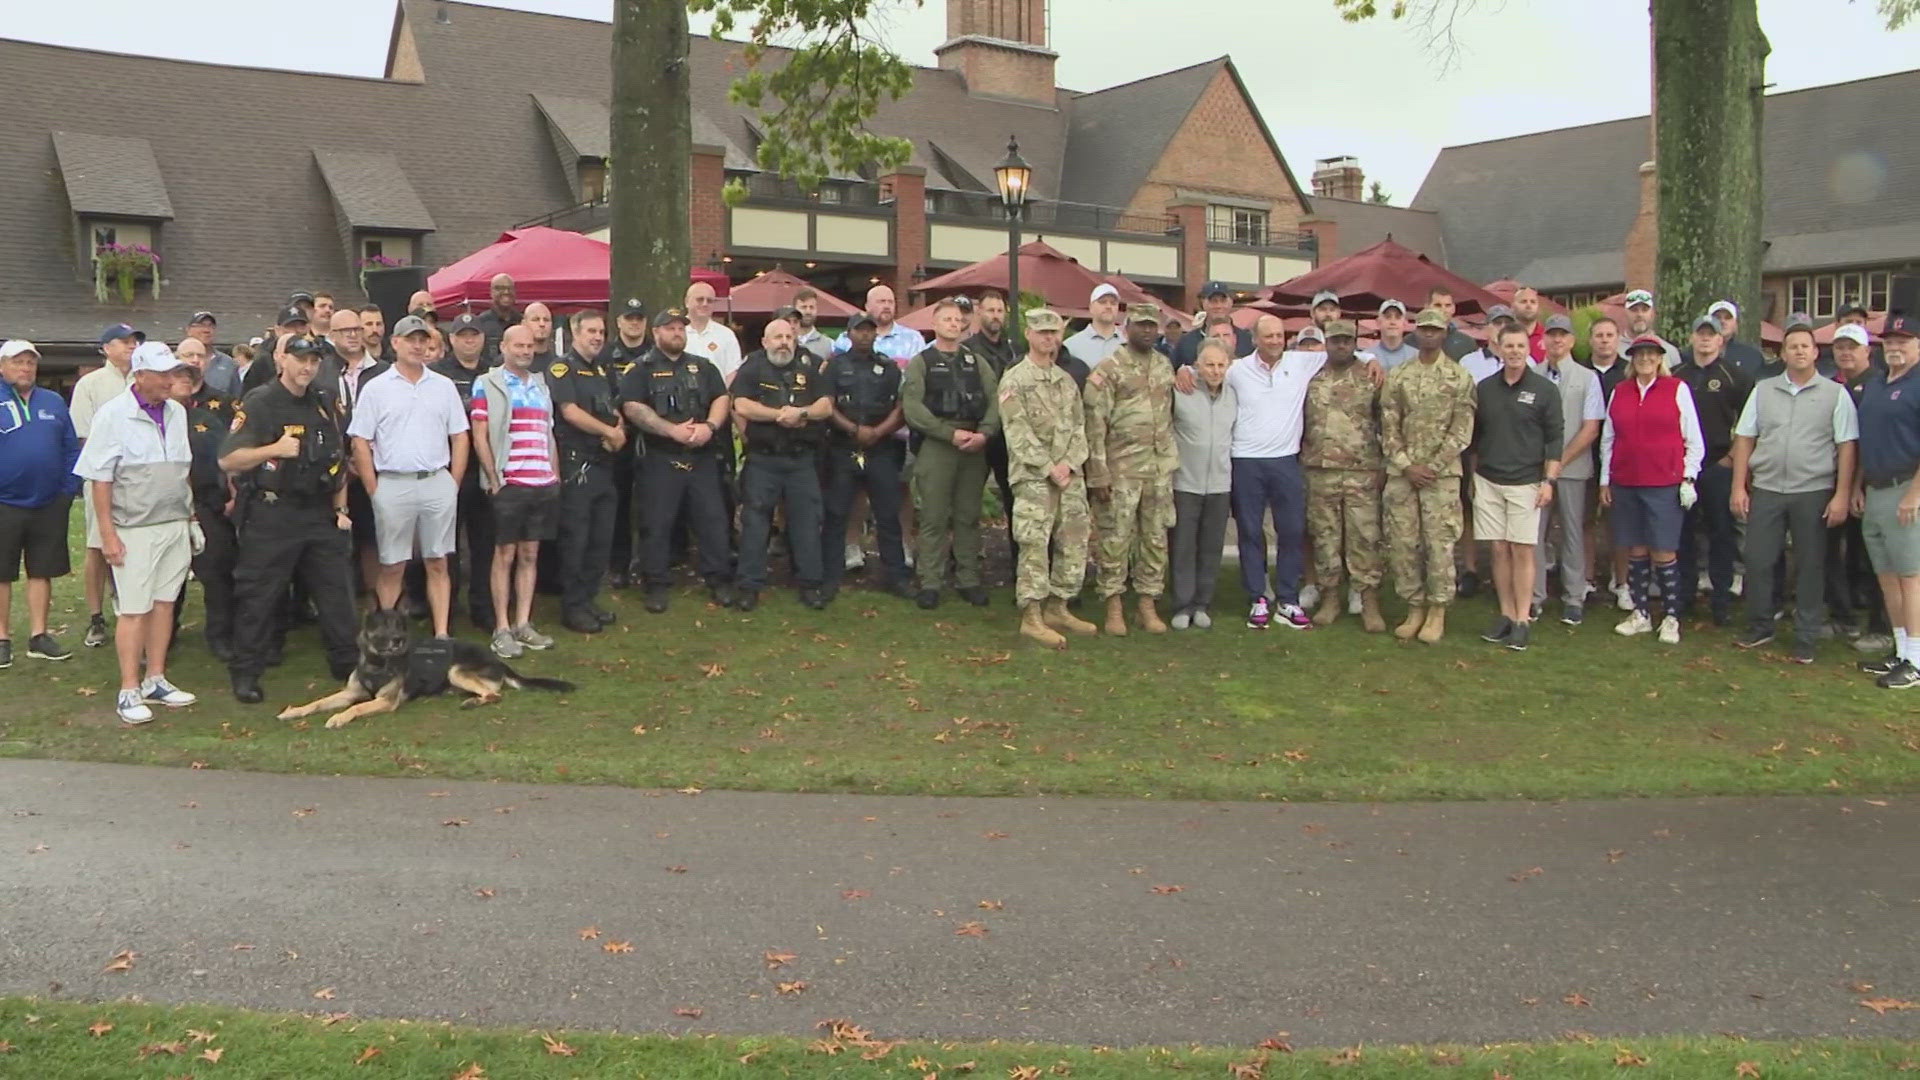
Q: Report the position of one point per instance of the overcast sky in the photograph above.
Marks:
(1325, 87)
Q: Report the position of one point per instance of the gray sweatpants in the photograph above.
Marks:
(1770, 519)
(1199, 536)
(1569, 512)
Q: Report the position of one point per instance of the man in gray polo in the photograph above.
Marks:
(221, 372)
(409, 434)
(1097, 340)
(1795, 444)
(1394, 347)
(1582, 410)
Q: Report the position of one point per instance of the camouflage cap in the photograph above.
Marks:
(1431, 317)
(1340, 328)
(1044, 319)
(1143, 313)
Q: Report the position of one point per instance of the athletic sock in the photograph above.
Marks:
(1639, 577)
(1903, 646)
(1669, 587)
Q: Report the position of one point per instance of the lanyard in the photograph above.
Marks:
(26, 410)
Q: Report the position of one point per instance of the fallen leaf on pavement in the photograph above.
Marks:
(1168, 890)
(438, 794)
(676, 869)
(588, 933)
(484, 894)
(456, 822)
(854, 894)
(993, 905)
(122, 961)
(689, 1013)
(1577, 1000)
(305, 811)
(1882, 1005)
(689, 790)
(99, 1028)
(970, 929)
(556, 1047)
(996, 836)
(1532, 872)
(1278, 1042)
(1615, 855)
(37, 849)
(778, 959)
(618, 947)
(332, 1018)
(242, 947)
(795, 987)
(325, 993)
(367, 1055)
(1860, 987)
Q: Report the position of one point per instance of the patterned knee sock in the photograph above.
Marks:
(1670, 593)
(1639, 577)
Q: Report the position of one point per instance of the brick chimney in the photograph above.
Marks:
(1339, 178)
(999, 47)
(1643, 238)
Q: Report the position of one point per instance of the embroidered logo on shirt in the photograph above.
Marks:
(558, 370)
(1713, 384)
(1526, 397)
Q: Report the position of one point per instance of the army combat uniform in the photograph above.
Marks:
(944, 393)
(1426, 418)
(1132, 457)
(1042, 413)
(1340, 449)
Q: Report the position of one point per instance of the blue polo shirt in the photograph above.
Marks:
(1889, 426)
(38, 448)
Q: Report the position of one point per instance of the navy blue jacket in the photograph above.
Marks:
(37, 449)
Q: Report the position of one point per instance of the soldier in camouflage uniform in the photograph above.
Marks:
(1131, 458)
(1426, 422)
(1045, 426)
(1340, 449)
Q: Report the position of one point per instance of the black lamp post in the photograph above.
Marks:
(1014, 176)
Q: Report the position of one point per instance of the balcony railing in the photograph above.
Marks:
(830, 195)
(580, 217)
(1044, 214)
(1259, 236)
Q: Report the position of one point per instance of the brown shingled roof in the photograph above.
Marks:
(114, 175)
(372, 191)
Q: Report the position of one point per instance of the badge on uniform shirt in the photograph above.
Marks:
(239, 420)
(1713, 384)
(800, 379)
(692, 367)
(558, 369)
(879, 369)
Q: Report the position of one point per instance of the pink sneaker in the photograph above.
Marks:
(1294, 617)
(1257, 618)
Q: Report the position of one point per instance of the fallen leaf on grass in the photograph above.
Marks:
(1747, 1068)
(714, 671)
(1346, 1057)
(325, 993)
(1576, 1000)
(556, 1047)
(201, 1036)
(1626, 1058)
(1277, 1042)
(1023, 1072)
(1248, 1070)
(473, 1071)
(617, 947)
(7, 1047)
(1168, 890)
(1882, 1005)
(795, 987)
(122, 961)
(689, 1012)
(99, 1028)
(970, 929)
(171, 1049)
(332, 1018)
(213, 1054)
(86, 691)
(367, 1055)
(1295, 756)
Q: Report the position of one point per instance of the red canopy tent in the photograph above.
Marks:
(1384, 271)
(773, 290)
(564, 270)
(1506, 287)
(1056, 278)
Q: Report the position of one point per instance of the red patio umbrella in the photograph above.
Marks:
(1384, 271)
(773, 290)
(1506, 287)
(1056, 278)
(1131, 293)
(564, 270)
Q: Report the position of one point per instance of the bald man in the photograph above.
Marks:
(707, 337)
(538, 319)
(890, 338)
(420, 305)
(494, 321)
(785, 406)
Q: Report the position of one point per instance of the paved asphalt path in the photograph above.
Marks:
(1336, 923)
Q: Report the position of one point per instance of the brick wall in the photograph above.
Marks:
(999, 71)
(908, 190)
(706, 213)
(1220, 149)
(1643, 238)
(1192, 219)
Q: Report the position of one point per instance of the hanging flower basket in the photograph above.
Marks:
(117, 268)
(376, 262)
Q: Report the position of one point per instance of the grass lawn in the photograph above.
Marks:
(76, 1041)
(876, 696)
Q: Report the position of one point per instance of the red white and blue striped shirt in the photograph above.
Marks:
(528, 463)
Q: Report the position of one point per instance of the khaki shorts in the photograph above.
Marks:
(1893, 548)
(1509, 512)
(93, 524)
(155, 567)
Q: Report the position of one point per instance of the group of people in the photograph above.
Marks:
(331, 457)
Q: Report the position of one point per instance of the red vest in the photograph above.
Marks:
(1647, 448)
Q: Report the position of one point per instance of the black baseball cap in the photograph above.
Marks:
(863, 319)
(202, 316)
(119, 331)
(668, 316)
(291, 315)
(789, 313)
(303, 345)
(1901, 324)
(633, 309)
(466, 321)
(1850, 305)
(300, 298)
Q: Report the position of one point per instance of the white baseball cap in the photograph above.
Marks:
(1105, 288)
(1847, 332)
(154, 356)
(1727, 306)
(17, 347)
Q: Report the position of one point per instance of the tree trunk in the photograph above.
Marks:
(1709, 61)
(652, 141)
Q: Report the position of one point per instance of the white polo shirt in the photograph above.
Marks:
(1272, 402)
(718, 345)
(409, 422)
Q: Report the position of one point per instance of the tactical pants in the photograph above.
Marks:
(766, 481)
(1051, 524)
(997, 463)
(587, 500)
(622, 555)
(1133, 520)
(877, 472)
(1423, 524)
(292, 541)
(1343, 518)
(213, 568)
(672, 482)
(473, 529)
(948, 484)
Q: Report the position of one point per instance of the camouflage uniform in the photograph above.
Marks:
(1130, 451)
(1426, 418)
(1041, 413)
(1340, 449)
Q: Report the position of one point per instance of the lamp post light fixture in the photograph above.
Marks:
(1014, 177)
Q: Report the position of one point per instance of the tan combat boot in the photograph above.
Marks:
(1415, 616)
(1032, 627)
(1149, 618)
(1370, 618)
(1116, 616)
(1058, 615)
(1332, 599)
(1436, 625)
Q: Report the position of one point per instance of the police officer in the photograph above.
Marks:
(679, 404)
(467, 361)
(293, 320)
(624, 350)
(778, 394)
(588, 429)
(209, 416)
(863, 454)
(287, 454)
(948, 399)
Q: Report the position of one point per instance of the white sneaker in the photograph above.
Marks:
(1634, 625)
(1202, 620)
(856, 557)
(506, 646)
(158, 689)
(1669, 631)
(1309, 596)
(1739, 584)
(1353, 601)
(132, 710)
(1181, 620)
(526, 635)
(1622, 599)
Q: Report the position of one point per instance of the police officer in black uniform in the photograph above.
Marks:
(209, 417)
(591, 438)
(779, 394)
(863, 453)
(466, 362)
(625, 348)
(292, 321)
(678, 402)
(287, 454)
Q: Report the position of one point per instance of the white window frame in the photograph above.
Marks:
(392, 245)
(1799, 296)
(1853, 285)
(146, 234)
(1879, 289)
(1826, 297)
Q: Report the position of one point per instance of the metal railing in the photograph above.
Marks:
(1258, 236)
(580, 217)
(1045, 214)
(830, 195)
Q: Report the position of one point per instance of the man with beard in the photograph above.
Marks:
(806, 309)
(502, 314)
(590, 435)
(629, 345)
(785, 409)
(994, 345)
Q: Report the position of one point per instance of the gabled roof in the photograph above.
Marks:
(582, 122)
(1364, 224)
(1841, 165)
(112, 175)
(1117, 134)
(372, 191)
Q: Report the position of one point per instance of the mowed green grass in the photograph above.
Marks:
(874, 695)
(75, 1041)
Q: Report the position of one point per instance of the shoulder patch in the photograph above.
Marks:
(1006, 395)
(557, 369)
(1096, 380)
(239, 421)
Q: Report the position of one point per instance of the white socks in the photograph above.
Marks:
(1902, 646)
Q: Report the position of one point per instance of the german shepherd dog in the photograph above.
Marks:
(393, 670)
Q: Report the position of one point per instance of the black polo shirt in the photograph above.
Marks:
(1517, 428)
(1889, 426)
(579, 381)
(1720, 392)
(492, 325)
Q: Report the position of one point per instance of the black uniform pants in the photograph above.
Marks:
(729, 476)
(765, 482)
(621, 555)
(671, 482)
(587, 501)
(878, 474)
(213, 567)
(1713, 513)
(292, 541)
(473, 529)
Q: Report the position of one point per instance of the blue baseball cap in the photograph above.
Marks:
(120, 332)
(1214, 288)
